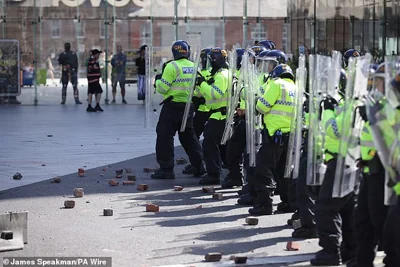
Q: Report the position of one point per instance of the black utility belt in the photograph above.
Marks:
(222, 110)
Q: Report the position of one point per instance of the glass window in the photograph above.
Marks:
(102, 27)
(56, 29)
(80, 29)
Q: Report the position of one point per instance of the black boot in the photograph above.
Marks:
(90, 109)
(210, 180)
(261, 210)
(200, 171)
(189, 169)
(230, 182)
(326, 258)
(284, 208)
(306, 233)
(295, 217)
(245, 190)
(98, 108)
(163, 174)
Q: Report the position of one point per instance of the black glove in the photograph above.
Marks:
(200, 80)
(211, 81)
(306, 106)
(164, 65)
(329, 103)
(158, 77)
(363, 113)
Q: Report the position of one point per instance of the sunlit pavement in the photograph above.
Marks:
(50, 140)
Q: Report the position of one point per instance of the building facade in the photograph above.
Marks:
(367, 25)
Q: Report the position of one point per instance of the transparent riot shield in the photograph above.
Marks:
(392, 110)
(233, 96)
(382, 133)
(156, 58)
(335, 68)
(347, 173)
(196, 55)
(194, 41)
(319, 71)
(249, 76)
(392, 81)
(295, 138)
(390, 195)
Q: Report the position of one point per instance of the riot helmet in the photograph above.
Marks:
(269, 45)
(266, 64)
(279, 55)
(204, 57)
(258, 49)
(283, 71)
(218, 58)
(239, 54)
(180, 50)
(348, 54)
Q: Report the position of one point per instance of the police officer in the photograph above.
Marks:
(370, 212)
(215, 91)
(202, 111)
(69, 64)
(276, 105)
(266, 61)
(237, 143)
(174, 84)
(333, 215)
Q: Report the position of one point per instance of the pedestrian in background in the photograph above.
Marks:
(93, 76)
(118, 63)
(141, 71)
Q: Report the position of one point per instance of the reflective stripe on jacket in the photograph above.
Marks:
(277, 105)
(176, 80)
(216, 94)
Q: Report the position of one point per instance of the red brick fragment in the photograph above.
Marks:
(142, 187)
(69, 204)
(208, 189)
(240, 259)
(218, 196)
(78, 192)
(128, 182)
(213, 256)
(113, 182)
(152, 208)
(131, 178)
(252, 220)
(178, 188)
(292, 246)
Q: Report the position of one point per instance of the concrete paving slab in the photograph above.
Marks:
(77, 139)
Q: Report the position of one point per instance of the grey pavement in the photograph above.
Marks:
(189, 225)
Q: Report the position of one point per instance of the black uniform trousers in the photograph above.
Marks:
(213, 131)
(66, 77)
(235, 148)
(270, 158)
(305, 196)
(199, 120)
(391, 236)
(334, 216)
(168, 124)
(370, 216)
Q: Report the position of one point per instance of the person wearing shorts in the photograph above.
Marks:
(93, 76)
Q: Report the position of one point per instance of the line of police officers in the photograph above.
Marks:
(344, 238)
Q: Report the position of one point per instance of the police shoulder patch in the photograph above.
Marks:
(187, 70)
